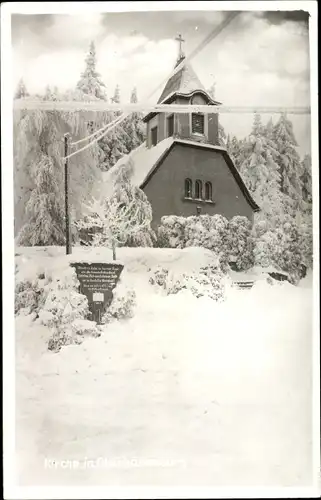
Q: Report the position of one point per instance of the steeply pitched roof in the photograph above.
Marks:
(146, 161)
(143, 159)
(183, 82)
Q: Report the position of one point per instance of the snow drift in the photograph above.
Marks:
(221, 391)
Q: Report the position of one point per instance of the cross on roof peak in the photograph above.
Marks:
(180, 40)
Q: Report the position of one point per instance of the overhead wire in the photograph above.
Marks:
(110, 126)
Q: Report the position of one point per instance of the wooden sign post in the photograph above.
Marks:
(97, 281)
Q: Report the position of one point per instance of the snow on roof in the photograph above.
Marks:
(200, 144)
(143, 160)
(184, 82)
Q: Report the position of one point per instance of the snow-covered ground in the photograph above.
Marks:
(218, 394)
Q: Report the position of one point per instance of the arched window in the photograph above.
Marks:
(198, 190)
(208, 191)
(188, 188)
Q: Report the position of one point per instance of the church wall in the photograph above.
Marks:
(213, 128)
(183, 125)
(151, 124)
(165, 188)
(161, 127)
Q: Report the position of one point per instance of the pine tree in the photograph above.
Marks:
(289, 160)
(116, 97)
(257, 128)
(268, 192)
(269, 140)
(21, 90)
(134, 126)
(306, 179)
(133, 96)
(45, 225)
(253, 168)
(39, 181)
(222, 139)
(90, 82)
(50, 94)
(117, 144)
(236, 150)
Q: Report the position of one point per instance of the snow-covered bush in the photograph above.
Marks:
(240, 242)
(60, 338)
(123, 304)
(198, 284)
(208, 282)
(29, 295)
(171, 232)
(158, 276)
(280, 247)
(65, 309)
(207, 231)
(25, 296)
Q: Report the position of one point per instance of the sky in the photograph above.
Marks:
(260, 59)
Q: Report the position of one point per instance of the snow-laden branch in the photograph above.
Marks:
(114, 221)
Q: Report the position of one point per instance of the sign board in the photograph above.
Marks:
(97, 280)
(98, 297)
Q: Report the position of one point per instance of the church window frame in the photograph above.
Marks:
(188, 188)
(170, 125)
(197, 125)
(198, 189)
(154, 135)
(208, 191)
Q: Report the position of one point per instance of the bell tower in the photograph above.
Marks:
(183, 87)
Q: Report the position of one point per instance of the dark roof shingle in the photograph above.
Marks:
(184, 81)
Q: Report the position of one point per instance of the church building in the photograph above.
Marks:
(182, 168)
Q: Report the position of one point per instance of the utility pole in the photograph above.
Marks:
(67, 209)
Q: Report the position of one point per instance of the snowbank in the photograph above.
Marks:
(222, 388)
(33, 260)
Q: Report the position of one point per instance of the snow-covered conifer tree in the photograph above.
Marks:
(50, 94)
(134, 127)
(269, 140)
(236, 150)
(116, 96)
(253, 168)
(257, 128)
(133, 96)
(306, 179)
(21, 90)
(221, 136)
(268, 192)
(90, 82)
(288, 160)
(116, 140)
(45, 224)
(39, 181)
